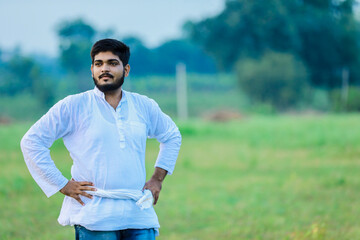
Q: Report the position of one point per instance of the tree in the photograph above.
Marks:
(278, 79)
(329, 36)
(76, 39)
(141, 58)
(172, 52)
(324, 34)
(163, 59)
(18, 75)
(23, 75)
(245, 29)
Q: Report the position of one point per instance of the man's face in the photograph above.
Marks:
(108, 71)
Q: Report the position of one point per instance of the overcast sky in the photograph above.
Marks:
(31, 24)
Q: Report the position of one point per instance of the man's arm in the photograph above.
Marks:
(166, 132)
(35, 144)
(35, 147)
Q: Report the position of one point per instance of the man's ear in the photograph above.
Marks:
(127, 70)
(92, 70)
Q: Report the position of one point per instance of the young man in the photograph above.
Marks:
(105, 132)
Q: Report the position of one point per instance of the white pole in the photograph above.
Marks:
(181, 91)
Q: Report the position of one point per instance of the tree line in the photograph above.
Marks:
(283, 54)
(46, 78)
(282, 49)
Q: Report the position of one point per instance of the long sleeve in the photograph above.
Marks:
(35, 146)
(167, 133)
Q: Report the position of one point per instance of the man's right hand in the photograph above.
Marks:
(74, 189)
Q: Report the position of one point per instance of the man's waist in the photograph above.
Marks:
(144, 199)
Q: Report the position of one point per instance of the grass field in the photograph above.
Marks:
(274, 177)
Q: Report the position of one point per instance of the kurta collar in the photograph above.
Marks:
(102, 95)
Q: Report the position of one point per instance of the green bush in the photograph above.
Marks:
(352, 104)
(319, 99)
(22, 107)
(278, 79)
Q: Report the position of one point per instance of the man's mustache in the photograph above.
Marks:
(106, 75)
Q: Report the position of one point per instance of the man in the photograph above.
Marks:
(105, 131)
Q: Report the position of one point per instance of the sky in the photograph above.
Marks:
(31, 25)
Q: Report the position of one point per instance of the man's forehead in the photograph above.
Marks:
(106, 56)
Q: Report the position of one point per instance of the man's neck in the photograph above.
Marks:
(114, 97)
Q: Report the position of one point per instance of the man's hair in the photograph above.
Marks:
(118, 48)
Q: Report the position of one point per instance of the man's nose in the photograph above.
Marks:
(105, 68)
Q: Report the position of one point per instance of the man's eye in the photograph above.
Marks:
(97, 64)
(113, 63)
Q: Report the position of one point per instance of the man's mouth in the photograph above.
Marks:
(105, 75)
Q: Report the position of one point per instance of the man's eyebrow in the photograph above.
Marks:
(108, 60)
(112, 60)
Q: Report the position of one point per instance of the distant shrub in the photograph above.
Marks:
(263, 109)
(278, 79)
(352, 104)
(21, 107)
(320, 100)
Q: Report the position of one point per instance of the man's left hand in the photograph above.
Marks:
(155, 187)
(155, 183)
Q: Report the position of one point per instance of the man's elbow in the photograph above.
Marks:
(177, 138)
(23, 143)
(180, 138)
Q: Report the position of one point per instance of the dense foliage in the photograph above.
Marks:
(323, 34)
(277, 79)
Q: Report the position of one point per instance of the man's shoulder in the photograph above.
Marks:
(78, 98)
(139, 98)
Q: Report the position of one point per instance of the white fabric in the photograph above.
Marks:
(144, 199)
(107, 147)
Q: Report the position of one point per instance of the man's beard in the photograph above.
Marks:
(110, 86)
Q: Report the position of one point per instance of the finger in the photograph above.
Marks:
(77, 198)
(156, 197)
(146, 186)
(84, 183)
(83, 188)
(87, 195)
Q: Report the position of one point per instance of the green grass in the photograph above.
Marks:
(274, 177)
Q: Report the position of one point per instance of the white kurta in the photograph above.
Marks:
(107, 147)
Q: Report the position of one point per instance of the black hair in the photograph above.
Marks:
(118, 48)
